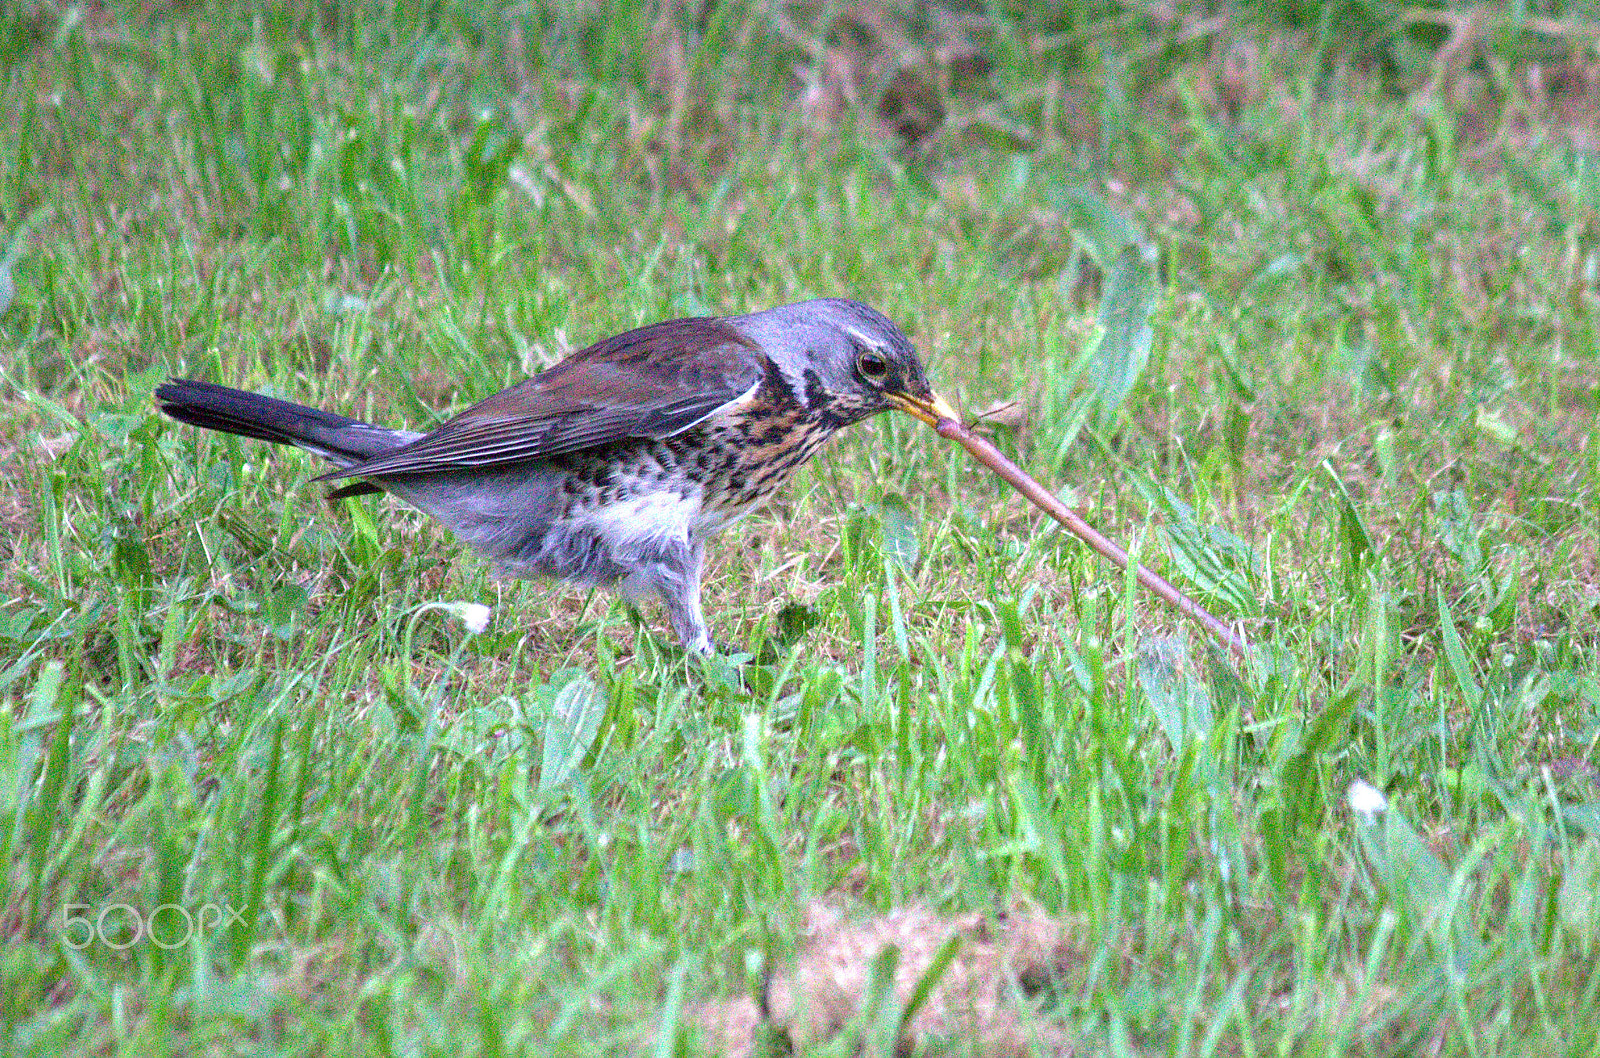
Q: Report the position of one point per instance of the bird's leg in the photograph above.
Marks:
(677, 580)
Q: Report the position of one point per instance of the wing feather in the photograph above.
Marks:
(653, 382)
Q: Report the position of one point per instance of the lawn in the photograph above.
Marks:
(1300, 303)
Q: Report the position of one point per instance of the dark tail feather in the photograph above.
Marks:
(355, 488)
(343, 441)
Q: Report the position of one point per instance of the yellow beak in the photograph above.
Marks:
(929, 410)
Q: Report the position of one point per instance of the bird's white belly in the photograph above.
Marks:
(641, 520)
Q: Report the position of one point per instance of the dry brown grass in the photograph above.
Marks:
(978, 1004)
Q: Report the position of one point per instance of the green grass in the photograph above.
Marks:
(1360, 421)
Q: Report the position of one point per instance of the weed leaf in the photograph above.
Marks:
(570, 729)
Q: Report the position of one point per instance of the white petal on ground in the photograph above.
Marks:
(1365, 799)
(474, 615)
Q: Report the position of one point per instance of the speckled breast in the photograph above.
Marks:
(730, 465)
(744, 460)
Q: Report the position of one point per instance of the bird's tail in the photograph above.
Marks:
(344, 442)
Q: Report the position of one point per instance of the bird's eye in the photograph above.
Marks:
(872, 366)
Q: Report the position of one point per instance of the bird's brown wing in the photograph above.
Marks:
(648, 383)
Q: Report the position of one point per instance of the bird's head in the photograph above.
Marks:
(845, 360)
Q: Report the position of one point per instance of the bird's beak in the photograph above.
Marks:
(929, 409)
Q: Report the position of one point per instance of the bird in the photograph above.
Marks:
(613, 467)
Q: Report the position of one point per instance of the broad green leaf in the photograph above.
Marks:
(570, 728)
(11, 254)
(1579, 899)
(1181, 702)
(900, 540)
(1099, 227)
(1125, 307)
(1352, 528)
(1456, 654)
